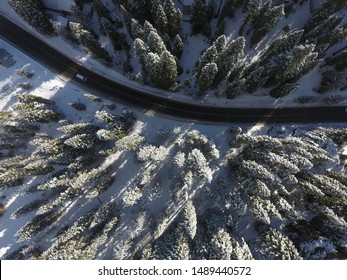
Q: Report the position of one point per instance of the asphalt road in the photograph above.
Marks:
(58, 62)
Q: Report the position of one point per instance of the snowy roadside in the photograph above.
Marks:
(194, 46)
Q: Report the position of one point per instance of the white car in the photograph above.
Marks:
(81, 77)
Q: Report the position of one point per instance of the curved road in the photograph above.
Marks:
(61, 64)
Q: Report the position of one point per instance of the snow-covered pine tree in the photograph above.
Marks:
(136, 29)
(77, 128)
(167, 71)
(155, 43)
(207, 76)
(159, 16)
(282, 44)
(197, 163)
(81, 141)
(208, 56)
(220, 43)
(220, 246)
(256, 79)
(267, 19)
(279, 247)
(87, 39)
(151, 66)
(174, 18)
(140, 52)
(228, 59)
(283, 90)
(291, 66)
(187, 223)
(178, 46)
(151, 152)
(147, 28)
(33, 13)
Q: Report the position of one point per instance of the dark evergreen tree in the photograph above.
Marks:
(207, 76)
(167, 71)
(155, 43)
(33, 13)
(229, 8)
(283, 90)
(87, 39)
(228, 59)
(199, 17)
(267, 19)
(178, 46)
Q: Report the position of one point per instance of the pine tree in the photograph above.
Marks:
(267, 19)
(229, 58)
(139, 9)
(136, 29)
(279, 246)
(198, 16)
(256, 79)
(140, 52)
(332, 80)
(101, 10)
(209, 56)
(151, 66)
(188, 221)
(87, 39)
(229, 8)
(282, 44)
(174, 18)
(147, 28)
(167, 71)
(220, 43)
(127, 17)
(178, 46)
(155, 43)
(32, 13)
(197, 163)
(220, 246)
(159, 17)
(252, 10)
(207, 76)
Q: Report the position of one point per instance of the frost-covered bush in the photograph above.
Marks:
(132, 196)
(130, 142)
(92, 97)
(106, 117)
(196, 161)
(197, 140)
(153, 153)
(77, 128)
(81, 141)
(180, 159)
